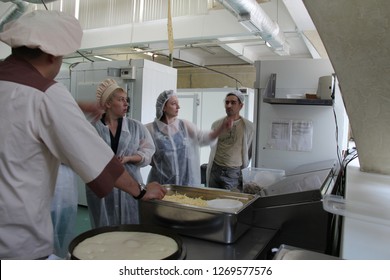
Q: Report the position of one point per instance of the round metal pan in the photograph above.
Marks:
(180, 254)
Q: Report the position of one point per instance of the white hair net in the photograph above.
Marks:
(53, 32)
(105, 89)
(161, 100)
(237, 93)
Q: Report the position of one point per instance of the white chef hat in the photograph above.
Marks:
(105, 89)
(53, 32)
(237, 93)
(161, 100)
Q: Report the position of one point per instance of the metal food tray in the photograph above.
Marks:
(200, 222)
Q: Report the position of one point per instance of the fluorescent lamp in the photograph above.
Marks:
(103, 58)
(151, 54)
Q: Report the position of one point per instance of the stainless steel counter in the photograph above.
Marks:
(294, 205)
(205, 222)
(254, 244)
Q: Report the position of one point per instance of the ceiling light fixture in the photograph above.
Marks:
(102, 57)
(150, 54)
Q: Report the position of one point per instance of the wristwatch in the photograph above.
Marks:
(142, 189)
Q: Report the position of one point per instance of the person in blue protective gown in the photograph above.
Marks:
(177, 141)
(133, 146)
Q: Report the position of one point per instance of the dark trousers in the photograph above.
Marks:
(223, 177)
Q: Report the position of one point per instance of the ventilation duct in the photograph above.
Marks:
(253, 17)
(11, 10)
(39, 1)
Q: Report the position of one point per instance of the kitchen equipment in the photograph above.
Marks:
(179, 254)
(294, 206)
(325, 87)
(225, 204)
(201, 222)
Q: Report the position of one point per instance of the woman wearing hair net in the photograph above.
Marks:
(176, 160)
(133, 145)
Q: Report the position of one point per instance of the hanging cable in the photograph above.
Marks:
(87, 58)
(210, 69)
(44, 4)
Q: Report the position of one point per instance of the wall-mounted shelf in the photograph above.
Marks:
(301, 101)
(269, 96)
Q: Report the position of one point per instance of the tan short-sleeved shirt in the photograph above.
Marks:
(229, 150)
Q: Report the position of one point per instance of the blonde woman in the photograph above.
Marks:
(132, 144)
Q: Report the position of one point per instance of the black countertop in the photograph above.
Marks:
(254, 244)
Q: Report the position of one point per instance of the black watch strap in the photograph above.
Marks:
(142, 189)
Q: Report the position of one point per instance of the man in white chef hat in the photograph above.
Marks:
(41, 125)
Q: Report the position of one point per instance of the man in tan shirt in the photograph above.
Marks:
(233, 148)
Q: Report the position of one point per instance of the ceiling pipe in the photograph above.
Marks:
(14, 10)
(40, 1)
(253, 17)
